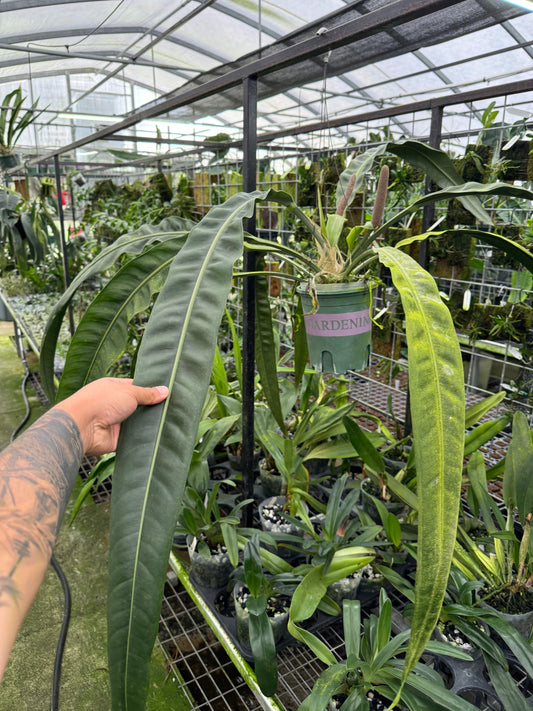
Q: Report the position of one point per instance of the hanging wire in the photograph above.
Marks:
(74, 44)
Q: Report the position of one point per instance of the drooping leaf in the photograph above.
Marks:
(102, 333)
(156, 444)
(437, 400)
(131, 243)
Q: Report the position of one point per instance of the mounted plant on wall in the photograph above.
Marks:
(14, 119)
(178, 347)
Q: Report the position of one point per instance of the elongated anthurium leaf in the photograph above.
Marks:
(513, 249)
(360, 165)
(266, 351)
(518, 476)
(325, 687)
(131, 243)
(156, 444)
(437, 399)
(440, 168)
(102, 333)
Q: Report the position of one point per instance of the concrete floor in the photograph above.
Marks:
(82, 551)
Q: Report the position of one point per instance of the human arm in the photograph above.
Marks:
(37, 473)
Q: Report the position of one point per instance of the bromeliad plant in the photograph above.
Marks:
(192, 273)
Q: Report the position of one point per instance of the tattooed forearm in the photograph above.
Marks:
(37, 472)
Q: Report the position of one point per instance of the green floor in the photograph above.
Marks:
(82, 551)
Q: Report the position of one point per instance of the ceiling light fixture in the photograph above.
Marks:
(90, 117)
(526, 4)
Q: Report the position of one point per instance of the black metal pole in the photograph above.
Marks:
(428, 218)
(248, 295)
(64, 257)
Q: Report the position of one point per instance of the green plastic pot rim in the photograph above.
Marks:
(342, 287)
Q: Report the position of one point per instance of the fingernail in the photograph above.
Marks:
(162, 389)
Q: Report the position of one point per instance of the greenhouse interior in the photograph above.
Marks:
(313, 223)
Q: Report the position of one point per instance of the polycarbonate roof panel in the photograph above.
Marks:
(166, 49)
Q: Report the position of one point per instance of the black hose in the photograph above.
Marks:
(55, 565)
(62, 634)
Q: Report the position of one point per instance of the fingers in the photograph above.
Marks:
(150, 396)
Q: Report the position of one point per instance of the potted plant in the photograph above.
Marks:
(13, 123)
(211, 534)
(370, 676)
(462, 624)
(504, 566)
(325, 534)
(313, 429)
(262, 610)
(156, 445)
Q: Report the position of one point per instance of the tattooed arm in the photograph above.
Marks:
(37, 473)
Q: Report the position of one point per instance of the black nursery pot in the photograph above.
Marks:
(271, 482)
(277, 612)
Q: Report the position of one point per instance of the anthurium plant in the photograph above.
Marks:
(192, 273)
(375, 664)
(505, 562)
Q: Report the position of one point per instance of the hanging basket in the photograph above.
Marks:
(9, 160)
(339, 333)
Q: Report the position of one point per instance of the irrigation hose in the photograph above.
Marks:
(55, 565)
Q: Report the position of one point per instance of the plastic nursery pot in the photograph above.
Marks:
(272, 519)
(277, 612)
(523, 622)
(339, 333)
(212, 572)
(235, 460)
(9, 160)
(345, 588)
(271, 482)
(467, 680)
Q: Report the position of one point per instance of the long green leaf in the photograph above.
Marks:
(437, 401)
(266, 351)
(131, 243)
(102, 333)
(439, 167)
(476, 411)
(518, 477)
(264, 653)
(506, 687)
(156, 444)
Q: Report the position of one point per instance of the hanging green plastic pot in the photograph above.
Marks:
(339, 332)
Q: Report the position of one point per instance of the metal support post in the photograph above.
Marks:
(248, 295)
(64, 257)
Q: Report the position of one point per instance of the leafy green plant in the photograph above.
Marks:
(14, 119)
(200, 517)
(506, 564)
(313, 430)
(178, 348)
(375, 664)
(261, 589)
(337, 528)
(463, 623)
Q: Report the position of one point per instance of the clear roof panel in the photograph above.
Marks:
(98, 61)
